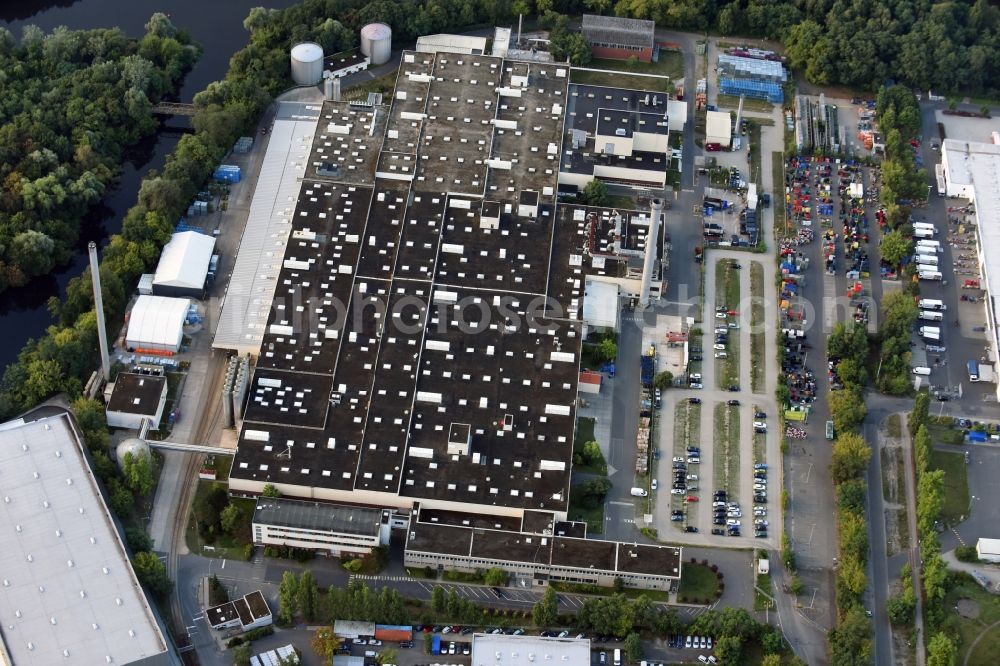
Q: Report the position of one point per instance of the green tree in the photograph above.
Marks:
(496, 577)
(633, 647)
(438, 599)
(941, 651)
(850, 643)
(592, 453)
(607, 350)
(595, 193)
(152, 573)
(325, 643)
(242, 654)
(387, 656)
(847, 408)
(270, 490)
(894, 247)
(900, 607)
(120, 498)
(229, 519)
(138, 472)
(307, 596)
(288, 593)
(137, 539)
(966, 554)
(849, 457)
(546, 610)
(771, 660)
(729, 649)
(663, 380)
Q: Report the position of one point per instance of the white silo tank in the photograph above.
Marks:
(376, 43)
(307, 63)
(137, 447)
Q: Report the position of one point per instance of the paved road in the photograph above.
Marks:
(877, 564)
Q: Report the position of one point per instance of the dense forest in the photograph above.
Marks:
(947, 47)
(72, 102)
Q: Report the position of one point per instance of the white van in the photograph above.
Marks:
(929, 260)
(932, 244)
(932, 304)
(921, 370)
(924, 225)
(922, 232)
(928, 274)
(639, 492)
(930, 332)
(931, 315)
(922, 251)
(618, 657)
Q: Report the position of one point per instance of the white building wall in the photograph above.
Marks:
(331, 542)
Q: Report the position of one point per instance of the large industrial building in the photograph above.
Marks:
(972, 171)
(412, 296)
(69, 593)
(507, 650)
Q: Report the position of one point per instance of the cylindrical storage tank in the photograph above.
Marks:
(376, 43)
(307, 63)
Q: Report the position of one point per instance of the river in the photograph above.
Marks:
(217, 27)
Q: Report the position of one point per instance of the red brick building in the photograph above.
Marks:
(619, 38)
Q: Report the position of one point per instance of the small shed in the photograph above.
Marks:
(988, 550)
(590, 382)
(718, 128)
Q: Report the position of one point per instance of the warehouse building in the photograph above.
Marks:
(183, 266)
(137, 397)
(619, 38)
(156, 325)
(70, 595)
(331, 529)
(972, 172)
(420, 259)
(444, 43)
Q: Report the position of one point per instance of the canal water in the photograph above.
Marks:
(217, 27)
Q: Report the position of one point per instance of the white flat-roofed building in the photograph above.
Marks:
(156, 324)
(335, 529)
(600, 304)
(69, 593)
(988, 550)
(718, 128)
(445, 43)
(504, 650)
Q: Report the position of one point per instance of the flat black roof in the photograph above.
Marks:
(371, 361)
(317, 516)
(136, 393)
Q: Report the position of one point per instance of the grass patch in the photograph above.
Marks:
(945, 434)
(749, 104)
(584, 434)
(758, 363)
(966, 630)
(621, 202)
(753, 130)
(670, 63)
(762, 601)
(384, 84)
(759, 447)
(778, 195)
(699, 584)
(894, 426)
(423, 573)
(726, 460)
(687, 431)
(727, 293)
(956, 485)
(620, 80)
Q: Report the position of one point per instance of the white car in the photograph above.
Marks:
(678, 459)
(694, 461)
(709, 646)
(720, 315)
(702, 642)
(692, 477)
(695, 385)
(687, 642)
(702, 658)
(733, 522)
(734, 325)
(760, 511)
(734, 514)
(760, 522)
(695, 376)
(653, 484)
(719, 347)
(718, 504)
(721, 354)
(677, 491)
(759, 424)
(759, 486)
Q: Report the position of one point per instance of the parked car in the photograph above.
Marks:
(713, 147)
(653, 484)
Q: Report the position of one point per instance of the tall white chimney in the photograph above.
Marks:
(656, 207)
(102, 331)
